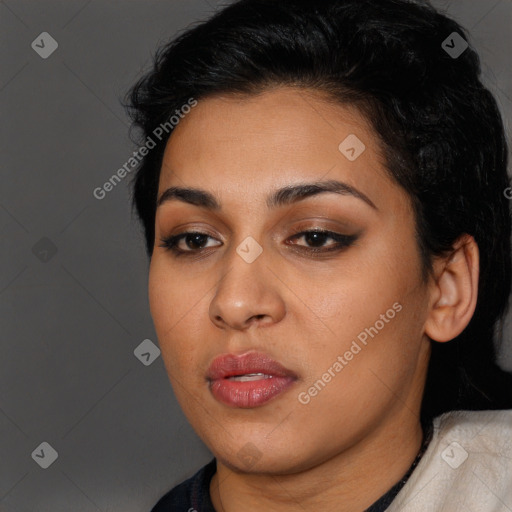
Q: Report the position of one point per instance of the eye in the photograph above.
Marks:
(318, 237)
(195, 241)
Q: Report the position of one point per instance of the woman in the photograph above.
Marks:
(322, 196)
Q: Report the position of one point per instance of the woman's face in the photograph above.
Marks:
(343, 313)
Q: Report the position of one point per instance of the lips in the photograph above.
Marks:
(248, 380)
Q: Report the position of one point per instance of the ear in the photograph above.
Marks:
(454, 291)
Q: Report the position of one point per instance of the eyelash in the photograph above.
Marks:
(343, 242)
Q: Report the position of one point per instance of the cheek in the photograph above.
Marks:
(160, 295)
(171, 300)
(371, 317)
(362, 379)
(353, 300)
(171, 306)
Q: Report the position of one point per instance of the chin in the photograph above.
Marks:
(256, 454)
(277, 464)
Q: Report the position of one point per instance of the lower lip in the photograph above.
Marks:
(249, 394)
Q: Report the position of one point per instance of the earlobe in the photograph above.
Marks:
(454, 292)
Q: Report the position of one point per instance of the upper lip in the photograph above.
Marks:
(229, 365)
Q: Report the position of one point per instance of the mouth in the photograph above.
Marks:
(247, 381)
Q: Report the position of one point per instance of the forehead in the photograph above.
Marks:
(245, 146)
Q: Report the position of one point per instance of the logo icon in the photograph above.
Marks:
(249, 249)
(454, 455)
(147, 352)
(351, 147)
(454, 45)
(44, 249)
(44, 45)
(45, 455)
(249, 455)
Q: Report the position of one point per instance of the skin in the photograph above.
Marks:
(358, 436)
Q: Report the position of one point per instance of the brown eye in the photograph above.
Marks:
(316, 239)
(193, 240)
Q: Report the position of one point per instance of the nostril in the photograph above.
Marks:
(255, 318)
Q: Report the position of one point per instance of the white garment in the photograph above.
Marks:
(467, 466)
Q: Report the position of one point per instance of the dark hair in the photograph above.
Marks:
(440, 131)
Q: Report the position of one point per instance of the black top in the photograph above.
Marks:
(193, 495)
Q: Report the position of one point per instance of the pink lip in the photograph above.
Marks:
(250, 393)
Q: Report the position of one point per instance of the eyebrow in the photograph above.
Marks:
(281, 197)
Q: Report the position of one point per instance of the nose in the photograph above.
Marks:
(247, 294)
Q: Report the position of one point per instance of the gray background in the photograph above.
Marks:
(72, 319)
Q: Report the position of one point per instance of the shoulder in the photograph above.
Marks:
(467, 466)
(191, 495)
(467, 423)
